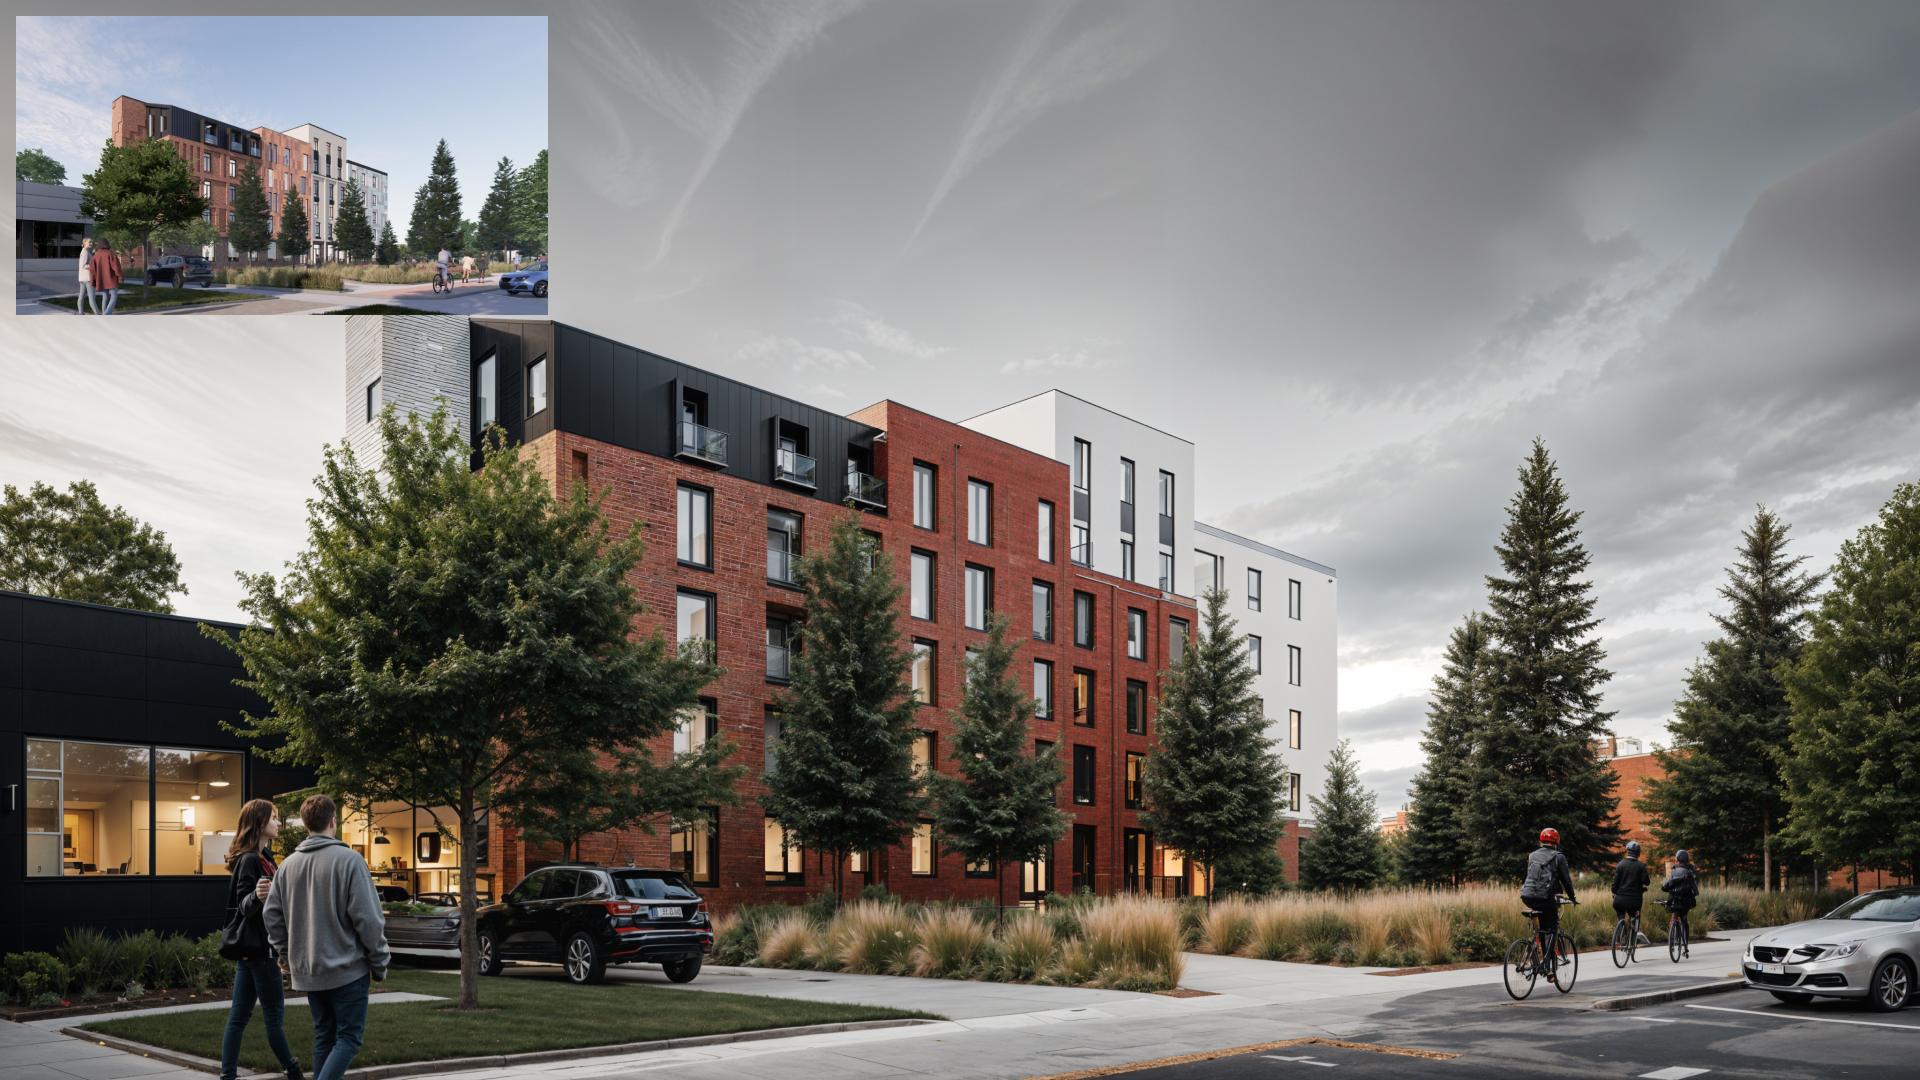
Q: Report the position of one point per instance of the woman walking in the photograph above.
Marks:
(250, 861)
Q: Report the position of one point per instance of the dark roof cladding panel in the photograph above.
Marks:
(178, 639)
(107, 674)
(600, 390)
(626, 398)
(10, 608)
(84, 626)
(571, 387)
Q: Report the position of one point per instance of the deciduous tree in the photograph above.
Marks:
(35, 167)
(138, 188)
(71, 547)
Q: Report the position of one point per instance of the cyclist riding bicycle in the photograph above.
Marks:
(1630, 884)
(440, 264)
(1547, 874)
(1683, 889)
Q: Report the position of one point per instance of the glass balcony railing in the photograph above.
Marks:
(791, 467)
(779, 661)
(1083, 554)
(702, 443)
(780, 566)
(870, 490)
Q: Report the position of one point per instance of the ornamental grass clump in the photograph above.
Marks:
(1134, 941)
(788, 942)
(951, 944)
(1432, 935)
(1028, 948)
(1276, 930)
(1227, 927)
(89, 956)
(878, 938)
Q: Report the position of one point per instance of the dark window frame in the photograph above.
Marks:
(1296, 665)
(933, 496)
(1084, 633)
(1137, 620)
(1134, 783)
(987, 525)
(1085, 775)
(933, 584)
(678, 487)
(1083, 714)
(1136, 707)
(933, 850)
(1052, 516)
(1293, 729)
(1038, 586)
(1295, 600)
(1049, 708)
(986, 598)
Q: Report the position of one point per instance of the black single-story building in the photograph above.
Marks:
(119, 788)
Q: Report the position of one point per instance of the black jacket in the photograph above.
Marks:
(1682, 886)
(1631, 879)
(1547, 875)
(247, 873)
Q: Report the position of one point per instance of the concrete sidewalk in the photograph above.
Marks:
(28, 1052)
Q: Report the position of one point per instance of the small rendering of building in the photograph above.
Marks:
(327, 168)
(373, 186)
(47, 230)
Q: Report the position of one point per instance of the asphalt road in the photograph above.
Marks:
(1744, 1033)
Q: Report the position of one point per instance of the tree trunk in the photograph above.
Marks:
(1766, 854)
(469, 930)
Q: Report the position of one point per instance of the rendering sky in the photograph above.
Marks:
(1360, 253)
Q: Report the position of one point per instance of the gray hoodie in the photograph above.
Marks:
(323, 916)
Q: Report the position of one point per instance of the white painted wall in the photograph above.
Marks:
(417, 358)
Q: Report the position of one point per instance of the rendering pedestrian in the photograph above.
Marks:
(324, 920)
(86, 280)
(104, 271)
(255, 977)
(466, 268)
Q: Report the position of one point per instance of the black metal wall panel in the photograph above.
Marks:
(626, 398)
(600, 401)
(105, 674)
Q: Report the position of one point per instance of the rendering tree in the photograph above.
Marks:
(1431, 850)
(436, 208)
(498, 233)
(296, 232)
(450, 637)
(387, 251)
(1001, 808)
(138, 188)
(1723, 797)
(1345, 852)
(250, 224)
(1853, 770)
(352, 232)
(1534, 764)
(71, 547)
(35, 167)
(843, 777)
(1214, 786)
(530, 206)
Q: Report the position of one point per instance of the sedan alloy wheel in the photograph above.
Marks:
(1892, 986)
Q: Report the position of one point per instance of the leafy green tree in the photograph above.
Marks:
(1534, 764)
(388, 251)
(138, 188)
(1434, 848)
(71, 547)
(1213, 788)
(436, 208)
(296, 230)
(530, 206)
(35, 167)
(450, 637)
(352, 232)
(1853, 773)
(250, 225)
(1723, 796)
(498, 230)
(843, 778)
(1345, 851)
(1255, 873)
(1001, 808)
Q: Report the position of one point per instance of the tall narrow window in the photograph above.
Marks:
(1042, 611)
(1166, 571)
(923, 495)
(1293, 792)
(1293, 664)
(694, 533)
(1083, 620)
(924, 861)
(1293, 729)
(770, 740)
(1043, 689)
(1176, 639)
(784, 858)
(1136, 707)
(693, 846)
(1046, 531)
(486, 392)
(979, 596)
(1126, 559)
(1083, 764)
(1083, 697)
(697, 727)
(779, 649)
(1253, 589)
(922, 755)
(922, 585)
(979, 512)
(1293, 599)
(1253, 651)
(696, 622)
(1136, 774)
(921, 672)
(1136, 634)
(373, 399)
(1082, 463)
(783, 545)
(1205, 573)
(1082, 549)
(1126, 500)
(537, 387)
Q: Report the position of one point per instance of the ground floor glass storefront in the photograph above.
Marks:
(97, 808)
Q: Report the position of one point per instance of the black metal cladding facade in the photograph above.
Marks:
(617, 394)
(91, 673)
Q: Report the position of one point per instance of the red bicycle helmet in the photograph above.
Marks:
(1549, 836)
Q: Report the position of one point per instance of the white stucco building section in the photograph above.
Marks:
(409, 360)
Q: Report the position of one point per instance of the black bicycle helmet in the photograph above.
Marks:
(1633, 848)
(1682, 856)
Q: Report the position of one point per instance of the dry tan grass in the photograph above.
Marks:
(1433, 937)
(1135, 938)
(1227, 927)
(951, 942)
(788, 943)
(876, 938)
(1028, 946)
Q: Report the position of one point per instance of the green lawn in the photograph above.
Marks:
(528, 1010)
(161, 296)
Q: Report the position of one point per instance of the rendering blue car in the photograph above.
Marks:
(532, 279)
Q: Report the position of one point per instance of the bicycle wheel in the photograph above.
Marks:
(1676, 939)
(1622, 943)
(1518, 971)
(1566, 962)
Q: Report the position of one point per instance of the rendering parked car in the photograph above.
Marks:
(585, 917)
(531, 279)
(1866, 948)
(178, 270)
(430, 924)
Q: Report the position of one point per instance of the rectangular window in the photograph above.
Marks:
(1166, 571)
(920, 672)
(979, 596)
(1126, 501)
(1046, 531)
(923, 495)
(1083, 697)
(979, 512)
(784, 858)
(1293, 792)
(1082, 546)
(1083, 760)
(922, 585)
(1166, 509)
(1253, 651)
(1206, 573)
(373, 400)
(1083, 620)
(1293, 665)
(923, 852)
(1136, 707)
(1293, 599)
(1136, 769)
(696, 616)
(1126, 559)
(1042, 611)
(1176, 640)
(922, 756)
(783, 545)
(1253, 589)
(1043, 689)
(697, 727)
(537, 387)
(1082, 464)
(89, 814)
(694, 844)
(779, 649)
(980, 869)
(1136, 634)
(694, 529)
(1293, 729)
(770, 730)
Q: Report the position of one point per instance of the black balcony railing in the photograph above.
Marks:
(791, 467)
(870, 490)
(702, 443)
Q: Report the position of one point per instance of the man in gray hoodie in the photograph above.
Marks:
(324, 920)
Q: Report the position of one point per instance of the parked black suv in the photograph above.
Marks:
(585, 917)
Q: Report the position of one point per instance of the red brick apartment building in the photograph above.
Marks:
(733, 483)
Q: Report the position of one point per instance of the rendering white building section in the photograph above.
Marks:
(410, 361)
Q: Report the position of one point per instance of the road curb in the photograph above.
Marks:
(157, 1053)
(1634, 1001)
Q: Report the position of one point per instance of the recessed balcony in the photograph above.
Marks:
(795, 468)
(703, 444)
(866, 490)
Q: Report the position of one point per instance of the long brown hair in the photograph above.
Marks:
(249, 838)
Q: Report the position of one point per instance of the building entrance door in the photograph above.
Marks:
(1136, 845)
(1083, 852)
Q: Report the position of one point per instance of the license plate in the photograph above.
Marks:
(1773, 969)
(666, 913)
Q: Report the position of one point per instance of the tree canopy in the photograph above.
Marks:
(530, 206)
(139, 188)
(35, 167)
(72, 547)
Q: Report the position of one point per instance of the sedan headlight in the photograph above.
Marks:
(1844, 949)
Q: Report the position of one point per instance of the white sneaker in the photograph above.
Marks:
(1643, 939)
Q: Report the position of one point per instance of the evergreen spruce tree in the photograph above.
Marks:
(1723, 797)
(436, 208)
(1001, 806)
(352, 232)
(1433, 850)
(295, 237)
(497, 233)
(843, 778)
(1853, 773)
(387, 252)
(1213, 786)
(250, 225)
(1535, 765)
(530, 206)
(1345, 851)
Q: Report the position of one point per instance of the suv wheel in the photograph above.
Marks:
(489, 953)
(1891, 987)
(682, 971)
(584, 963)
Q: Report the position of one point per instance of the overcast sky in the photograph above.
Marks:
(1360, 253)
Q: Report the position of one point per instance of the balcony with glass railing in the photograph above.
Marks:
(780, 566)
(867, 490)
(779, 661)
(793, 467)
(1082, 554)
(701, 443)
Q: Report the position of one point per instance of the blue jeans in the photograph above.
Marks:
(104, 299)
(85, 298)
(339, 1024)
(255, 979)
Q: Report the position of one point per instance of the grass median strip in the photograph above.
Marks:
(518, 1016)
(161, 296)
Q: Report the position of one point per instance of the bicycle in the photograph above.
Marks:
(1530, 957)
(442, 282)
(1626, 939)
(1676, 933)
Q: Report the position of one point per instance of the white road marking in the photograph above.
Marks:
(1812, 1019)
(1302, 1060)
(1673, 1072)
(1652, 1019)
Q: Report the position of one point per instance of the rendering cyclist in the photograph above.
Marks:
(440, 262)
(1683, 889)
(1630, 884)
(1547, 876)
